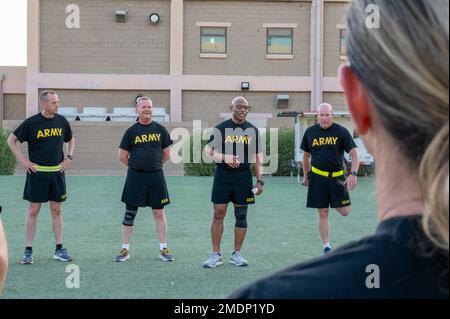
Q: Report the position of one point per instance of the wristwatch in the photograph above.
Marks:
(354, 173)
(70, 157)
(260, 182)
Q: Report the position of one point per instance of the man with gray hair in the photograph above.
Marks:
(323, 167)
(45, 133)
(234, 145)
(144, 149)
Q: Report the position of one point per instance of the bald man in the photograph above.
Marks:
(234, 146)
(323, 167)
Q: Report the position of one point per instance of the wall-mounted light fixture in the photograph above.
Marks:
(245, 86)
(154, 18)
(121, 16)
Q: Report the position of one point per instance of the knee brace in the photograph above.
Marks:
(241, 216)
(130, 215)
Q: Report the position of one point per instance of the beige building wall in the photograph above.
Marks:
(13, 88)
(110, 98)
(336, 99)
(101, 45)
(14, 106)
(246, 37)
(334, 15)
(208, 106)
(14, 79)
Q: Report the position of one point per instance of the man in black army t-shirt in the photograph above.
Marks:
(144, 148)
(234, 145)
(324, 145)
(46, 133)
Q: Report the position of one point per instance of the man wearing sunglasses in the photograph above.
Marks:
(234, 145)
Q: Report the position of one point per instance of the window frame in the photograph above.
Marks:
(341, 28)
(291, 29)
(207, 54)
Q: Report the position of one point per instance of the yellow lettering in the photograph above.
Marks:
(249, 139)
(54, 132)
(321, 141)
(158, 137)
(315, 142)
(47, 132)
(334, 140)
(60, 131)
(329, 140)
(242, 140)
(138, 140)
(40, 134)
(228, 139)
(235, 139)
(144, 138)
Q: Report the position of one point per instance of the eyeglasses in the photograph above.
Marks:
(243, 107)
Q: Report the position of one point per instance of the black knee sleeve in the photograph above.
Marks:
(241, 216)
(130, 215)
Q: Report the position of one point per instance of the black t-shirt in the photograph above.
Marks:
(146, 143)
(45, 137)
(327, 146)
(407, 268)
(232, 139)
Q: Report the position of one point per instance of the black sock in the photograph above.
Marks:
(29, 248)
(59, 246)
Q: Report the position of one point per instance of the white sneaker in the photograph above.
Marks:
(238, 260)
(213, 261)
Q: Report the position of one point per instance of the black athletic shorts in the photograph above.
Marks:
(324, 192)
(145, 189)
(232, 186)
(41, 187)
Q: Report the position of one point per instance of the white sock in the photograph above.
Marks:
(162, 246)
(326, 245)
(126, 246)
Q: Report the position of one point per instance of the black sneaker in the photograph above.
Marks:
(62, 255)
(27, 258)
(326, 250)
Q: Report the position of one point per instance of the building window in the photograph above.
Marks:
(279, 40)
(213, 40)
(343, 45)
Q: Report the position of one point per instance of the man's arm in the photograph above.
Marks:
(124, 156)
(352, 179)
(306, 164)
(3, 257)
(230, 160)
(12, 143)
(71, 147)
(166, 154)
(259, 171)
(67, 161)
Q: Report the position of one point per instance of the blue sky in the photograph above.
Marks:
(13, 32)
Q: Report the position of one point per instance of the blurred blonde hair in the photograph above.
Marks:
(404, 65)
